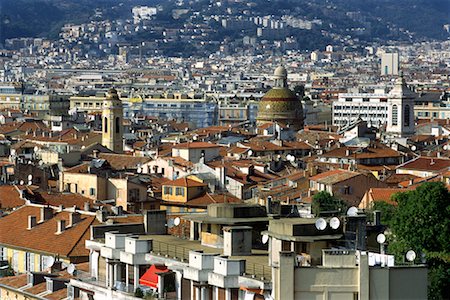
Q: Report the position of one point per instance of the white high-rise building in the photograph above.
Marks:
(389, 64)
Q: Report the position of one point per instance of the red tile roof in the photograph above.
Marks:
(43, 237)
(424, 163)
(185, 182)
(10, 197)
(195, 145)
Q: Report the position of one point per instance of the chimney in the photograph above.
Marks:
(46, 214)
(377, 218)
(31, 222)
(95, 153)
(60, 226)
(347, 152)
(411, 181)
(60, 207)
(74, 218)
(86, 206)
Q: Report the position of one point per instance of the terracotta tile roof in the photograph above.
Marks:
(15, 281)
(370, 152)
(123, 161)
(333, 176)
(185, 182)
(424, 163)
(37, 289)
(195, 145)
(42, 238)
(60, 294)
(395, 179)
(384, 194)
(10, 197)
(66, 199)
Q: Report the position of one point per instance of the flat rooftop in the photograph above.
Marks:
(257, 264)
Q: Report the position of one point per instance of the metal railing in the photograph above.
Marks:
(180, 253)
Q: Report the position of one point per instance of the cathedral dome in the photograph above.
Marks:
(280, 104)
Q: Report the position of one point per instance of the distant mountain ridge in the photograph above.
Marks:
(382, 19)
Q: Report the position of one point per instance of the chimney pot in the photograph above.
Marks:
(86, 206)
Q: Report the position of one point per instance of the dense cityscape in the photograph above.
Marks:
(232, 150)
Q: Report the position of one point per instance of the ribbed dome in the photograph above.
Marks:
(280, 71)
(280, 94)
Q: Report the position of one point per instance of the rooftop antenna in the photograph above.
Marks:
(381, 238)
(71, 269)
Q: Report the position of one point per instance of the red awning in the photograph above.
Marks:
(150, 277)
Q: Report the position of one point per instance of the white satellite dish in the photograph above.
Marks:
(352, 211)
(21, 182)
(335, 222)
(413, 148)
(445, 147)
(250, 152)
(30, 182)
(30, 177)
(71, 269)
(265, 238)
(49, 262)
(288, 157)
(170, 223)
(177, 221)
(321, 224)
(139, 170)
(381, 238)
(411, 255)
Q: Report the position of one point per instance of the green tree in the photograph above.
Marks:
(422, 223)
(324, 201)
(387, 211)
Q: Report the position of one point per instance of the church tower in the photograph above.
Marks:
(112, 116)
(400, 110)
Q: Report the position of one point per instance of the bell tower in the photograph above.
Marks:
(400, 110)
(112, 116)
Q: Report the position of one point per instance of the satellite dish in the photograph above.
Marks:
(71, 269)
(288, 157)
(177, 221)
(49, 262)
(381, 238)
(30, 177)
(335, 222)
(30, 182)
(36, 148)
(445, 147)
(411, 255)
(139, 170)
(352, 211)
(21, 182)
(250, 152)
(413, 148)
(265, 238)
(170, 223)
(321, 224)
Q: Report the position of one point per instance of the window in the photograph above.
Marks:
(92, 191)
(106, 125)
(168, 190)
(208, 228)
(394, 115)
(407, 116)
(179, 191)
(118, 125)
